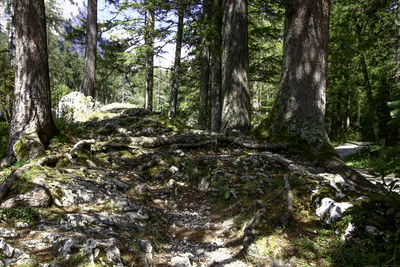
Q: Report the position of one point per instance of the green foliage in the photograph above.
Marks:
(20, 214)
(360, 27)
(3, 138)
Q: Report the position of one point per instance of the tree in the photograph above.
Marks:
(177, 63)
(205, 66)
(89, 70)
(32, 123)
(300, 106)
(235, 66)
(149, 46)
(216, 79)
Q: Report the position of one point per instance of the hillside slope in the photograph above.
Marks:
(131, 188)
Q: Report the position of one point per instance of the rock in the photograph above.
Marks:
(21, 225)
(141, 188)
(349, 230)
(331, 210)
(147, 248)
(141, 215)
(113, 253)
(180, 261)
(38, 197)
(29, 146)
(5, 248)
(4, 232)
(76, 106)
(204, 184)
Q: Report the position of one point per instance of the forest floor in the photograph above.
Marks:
(131, 188)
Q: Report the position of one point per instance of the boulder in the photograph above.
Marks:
(76, 107)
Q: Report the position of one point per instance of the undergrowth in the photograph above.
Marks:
(3, 138)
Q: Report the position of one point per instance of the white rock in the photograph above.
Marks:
(331, 210)
(21, 225)
(76, 107)
(4, 232)
(5, 248)
(349, 230)
(180, 261)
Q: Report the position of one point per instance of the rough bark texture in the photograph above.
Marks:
(89, 70)
(398, 45)
(205, 67)
(177, 63)
(300, 106)
(235, 66)
(31, 113)
(149, 42)
(216, 79)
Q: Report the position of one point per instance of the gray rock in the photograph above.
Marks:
(38, 197)
(5, 248)
(147, 248)
(204, 184)
(76, 107)
(4, 232)
(330, 210)
(113, 253)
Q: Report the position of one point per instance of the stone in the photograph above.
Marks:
(76, 106)
(5, 248)
(180, 261)
(141, 215)
(204, 184)
(29, 146)
(38, 198)
(147, 248)
(4, 232)
(113, 253)
(330, 210)
(21, 225)
(349, 230)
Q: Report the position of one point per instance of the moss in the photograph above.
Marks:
(28, 146)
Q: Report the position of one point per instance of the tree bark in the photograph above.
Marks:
(89, 70)
(235, 67)
(398, 45)
(149, 43)
(300, 106)
(205, 67)
(216, 79)
(177, 63)
(31, 113)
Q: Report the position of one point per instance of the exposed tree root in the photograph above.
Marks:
(285, 219)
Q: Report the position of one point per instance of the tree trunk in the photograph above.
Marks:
(205, 67)
(216, 79)
(398, 45)
(370, 98)
(149, 43)
(300, 106)
(235, 67)
(31, 113)
(177, 63)
(89, 70)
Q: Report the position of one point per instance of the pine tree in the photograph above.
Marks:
(235, 66)
(300, 106)
(177, 62)
(89, 71)
(32, 123)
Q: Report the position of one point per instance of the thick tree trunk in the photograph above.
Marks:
(31, 113)
(89, 70)
(216, 79)
(398, 45)
(300, 106)
(177, 63)
(235, 67)
(370, 98)
(149, 43)
(205, 67)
